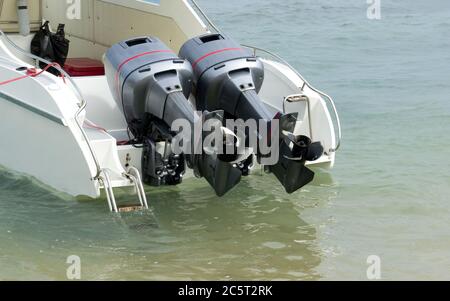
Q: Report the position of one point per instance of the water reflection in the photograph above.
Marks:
(255, 232)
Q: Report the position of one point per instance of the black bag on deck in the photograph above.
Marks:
(53, 47)
(60, 45)
(41, 44)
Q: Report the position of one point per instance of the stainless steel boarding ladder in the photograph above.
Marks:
(135, 178)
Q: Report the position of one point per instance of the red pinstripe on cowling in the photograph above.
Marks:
(213, 53)
(132, 59)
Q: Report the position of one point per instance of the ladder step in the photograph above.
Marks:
(126, 209)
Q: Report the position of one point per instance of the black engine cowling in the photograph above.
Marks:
(152, 86)
(229, 77)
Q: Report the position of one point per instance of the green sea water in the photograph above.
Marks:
(387, 196)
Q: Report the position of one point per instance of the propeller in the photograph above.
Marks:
(295, 150)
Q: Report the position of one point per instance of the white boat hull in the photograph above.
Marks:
(42, 133)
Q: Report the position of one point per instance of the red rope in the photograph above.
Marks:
(32, 72)
(91, 125)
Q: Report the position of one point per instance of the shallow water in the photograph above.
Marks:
(387, 196)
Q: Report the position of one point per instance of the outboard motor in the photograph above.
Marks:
(152, 86)
(229, 77)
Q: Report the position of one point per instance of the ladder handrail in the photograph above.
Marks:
(134, 172)
(106, 181)
(81, 106)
